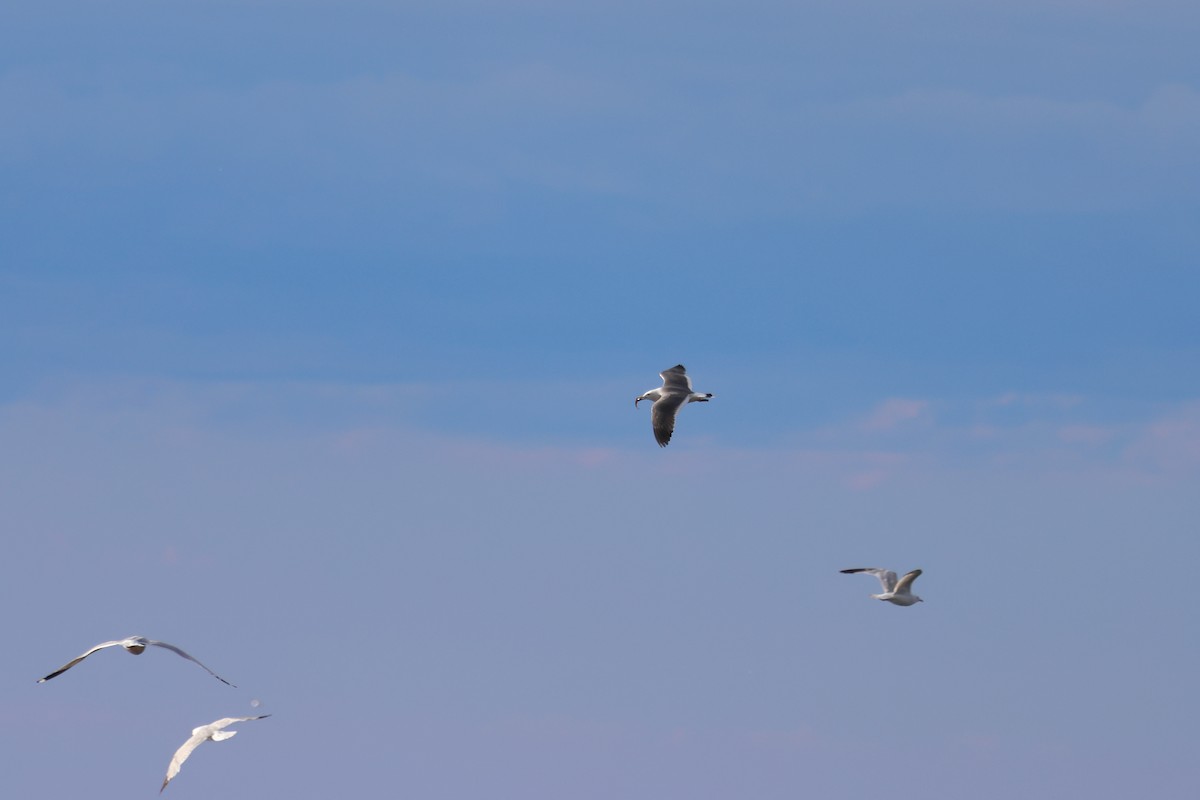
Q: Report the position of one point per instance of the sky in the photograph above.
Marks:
(320, 324)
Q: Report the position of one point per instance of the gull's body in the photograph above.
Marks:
(134, 645)
(674, 394)
(894, 591)
(214, 731)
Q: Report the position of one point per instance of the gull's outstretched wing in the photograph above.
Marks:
(904, 586)
(886, 577)
(200, 735)
(181, 755)
(177, 651)
(662, 416)
(676, 379)
(76, 660)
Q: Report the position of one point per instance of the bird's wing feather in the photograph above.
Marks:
(886, 577)
(77, 659)
(676, 379)
(662, 417)
(904, 586)
(177, 651)
(185, 750)
(227, 721)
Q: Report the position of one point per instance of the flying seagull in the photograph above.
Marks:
(214, 731)
(894, 591)
(675, 393)
(135, 645)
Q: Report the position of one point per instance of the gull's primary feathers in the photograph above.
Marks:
(676, 392)
(214, 731)
(894, 591)
(135, 645)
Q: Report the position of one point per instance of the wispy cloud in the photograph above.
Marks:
(373, 424)
(895, 412)
(1086, 434)
(1169, 444)
(1037, 399)
(565, 128)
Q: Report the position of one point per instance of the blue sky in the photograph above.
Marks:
(320, 328)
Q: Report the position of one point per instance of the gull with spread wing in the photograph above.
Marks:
(675, 393)
(894, 591)
(134, 645)
(214, 731)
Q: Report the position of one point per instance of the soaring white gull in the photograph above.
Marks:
(214, 731)
(135, 645)
(894, 591)
(676, 392)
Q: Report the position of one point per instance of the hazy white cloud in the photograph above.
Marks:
(1036, 399)
(567, 129)
(1168, 113)
(1086, 434)
(385, 428)
(894, 412)
(1170, 444)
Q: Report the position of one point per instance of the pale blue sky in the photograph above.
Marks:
(320, 326)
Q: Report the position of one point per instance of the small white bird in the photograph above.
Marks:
(894, 591)
(675, 393)
(213, 731)
(135, 645)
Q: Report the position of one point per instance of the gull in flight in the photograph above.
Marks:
(894, 591)
(676, 392)
(135, 645)
(214, 731)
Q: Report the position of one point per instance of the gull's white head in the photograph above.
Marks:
(653, 396)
